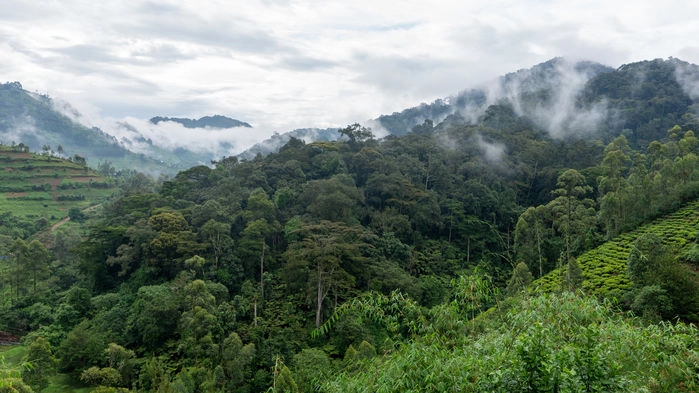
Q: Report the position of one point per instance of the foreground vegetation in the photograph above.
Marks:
(545, 343)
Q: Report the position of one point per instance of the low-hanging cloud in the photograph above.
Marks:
(548, 94)
(687, 75)
(142, 136)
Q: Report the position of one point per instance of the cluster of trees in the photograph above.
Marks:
(215, 281)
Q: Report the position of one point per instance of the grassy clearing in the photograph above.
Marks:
(63, 383)
(11, 357)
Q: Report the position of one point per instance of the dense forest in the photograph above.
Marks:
(414, 262)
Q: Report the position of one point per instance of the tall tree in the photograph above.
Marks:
(37, 262)
(573, 213)
(19, 253)
(326, 251)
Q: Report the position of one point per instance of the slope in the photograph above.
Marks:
(40, 190)
(604, 268)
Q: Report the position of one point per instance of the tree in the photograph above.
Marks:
(326, 251)
(285, 381)
(37, 262)
(76, 214)
(531, 234)
(573, 215)
(19, 253)
(40, 364)
(173, 243)
(521, 279)
(311, 367)
(122, 360)
(356, 134)
(574, 275)
(613, 185)
(235, 359)
(153, 316)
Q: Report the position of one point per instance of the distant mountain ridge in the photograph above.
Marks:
(567, 99)
(216, 121)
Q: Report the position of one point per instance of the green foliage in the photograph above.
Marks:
(545, 343)
(521, 279)
(81, 348)
(285, 381)
(311, 368)
(39, 365)
(106, 376)
(153, 316)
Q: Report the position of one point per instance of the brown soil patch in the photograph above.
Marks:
(84, 179)
(8, 339)
(16, 194)
(7, 169)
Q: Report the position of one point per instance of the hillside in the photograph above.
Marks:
(39, 190)
(568, 100)
(604, 268)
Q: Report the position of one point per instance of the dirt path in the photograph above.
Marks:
(65, 220)
(58, 224)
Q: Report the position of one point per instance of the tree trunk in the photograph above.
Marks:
(254, 308)
(262, 269)
(319, 296)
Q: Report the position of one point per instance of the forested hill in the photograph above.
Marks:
(576, 99)
(226, 269)
(567, 99)
(293, 270)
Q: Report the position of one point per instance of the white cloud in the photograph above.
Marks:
(281, 65)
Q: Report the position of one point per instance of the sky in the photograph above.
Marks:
(281, 65)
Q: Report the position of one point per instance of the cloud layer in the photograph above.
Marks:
(281, 65)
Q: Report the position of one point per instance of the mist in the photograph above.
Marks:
(687, 75)
(141, 136)
(548, 95)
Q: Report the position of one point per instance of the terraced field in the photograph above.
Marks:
(604, 268)
(39, 186)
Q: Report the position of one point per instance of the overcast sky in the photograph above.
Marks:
(280, 65)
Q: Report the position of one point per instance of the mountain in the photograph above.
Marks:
(566, 99)
(216, 121)
(33, 120)
(161, 145)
